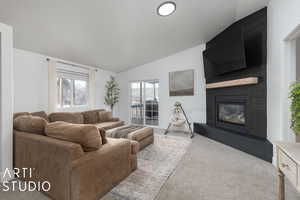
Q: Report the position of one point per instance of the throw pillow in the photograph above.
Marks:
(41, 114)
(75, 118)
(31, 124)
(105, 116)
(20, 114)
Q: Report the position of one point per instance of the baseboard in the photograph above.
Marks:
(274, 159)
(1, 177)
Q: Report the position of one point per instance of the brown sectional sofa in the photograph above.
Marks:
(74, 173)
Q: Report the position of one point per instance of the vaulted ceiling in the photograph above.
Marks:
(117, 34)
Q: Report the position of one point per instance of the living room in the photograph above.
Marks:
(147, 100)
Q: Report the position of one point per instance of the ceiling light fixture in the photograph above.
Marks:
(166, 8)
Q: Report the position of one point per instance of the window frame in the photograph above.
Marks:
(59, 103)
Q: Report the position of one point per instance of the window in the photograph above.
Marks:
(144, 102)
(72, 89)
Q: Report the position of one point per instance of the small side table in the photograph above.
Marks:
(288, 165)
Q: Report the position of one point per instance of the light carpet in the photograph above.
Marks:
(208, 171)
(155, 164)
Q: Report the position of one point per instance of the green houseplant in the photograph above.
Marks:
(295, 108)
(112, 92)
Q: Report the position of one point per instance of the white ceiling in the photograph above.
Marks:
(117, 34)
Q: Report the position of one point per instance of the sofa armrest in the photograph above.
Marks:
(97, 172)
(50, 158)
(135, 147)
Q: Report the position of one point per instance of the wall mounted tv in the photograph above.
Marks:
(226, 56)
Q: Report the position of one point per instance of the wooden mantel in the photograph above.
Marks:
(233, 83)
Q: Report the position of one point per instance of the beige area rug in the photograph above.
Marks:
(155, 164)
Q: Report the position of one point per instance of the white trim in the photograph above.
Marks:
(294, 34)
(289, 77)
(6, 98)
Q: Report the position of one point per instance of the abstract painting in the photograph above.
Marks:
(181, 83)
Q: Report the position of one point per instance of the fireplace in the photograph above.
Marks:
(236, 112)
(231, 113)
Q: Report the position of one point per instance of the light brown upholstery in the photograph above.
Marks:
(146, 141)
(74, 174)
(105, 116)
(144, 136)
(51, 158)
(110, 125)
(20, 114)
(114, 119)
(75, 118)
(135, 147)
(141, 134)
(41, 114)
(87, 136)
(101, 170)
(91, 116)
(31, 124)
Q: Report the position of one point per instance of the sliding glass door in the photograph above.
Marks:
(144, 102)
(137, 107)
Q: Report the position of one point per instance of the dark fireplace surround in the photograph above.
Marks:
(242, 123)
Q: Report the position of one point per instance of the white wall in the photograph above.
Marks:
(195, 106)
(283, 17)
(298, 58)
(31, 82)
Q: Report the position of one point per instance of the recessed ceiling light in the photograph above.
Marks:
(166, 8)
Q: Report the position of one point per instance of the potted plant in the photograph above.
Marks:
(295, 109)
(112, 93)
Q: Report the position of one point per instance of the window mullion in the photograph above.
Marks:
(60, 92)
(73, 92)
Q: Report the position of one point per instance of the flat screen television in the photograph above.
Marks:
(226, 56)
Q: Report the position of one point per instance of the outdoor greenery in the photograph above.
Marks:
(112, 92)
(295, 106)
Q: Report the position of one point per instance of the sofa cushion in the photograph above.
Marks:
(105, 116)
(20, 114)
(41, 114)
(91, 116)
(75, 118)
(110, 125)
(31, 124)
(87, 136)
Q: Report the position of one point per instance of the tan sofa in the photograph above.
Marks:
(73, 173)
